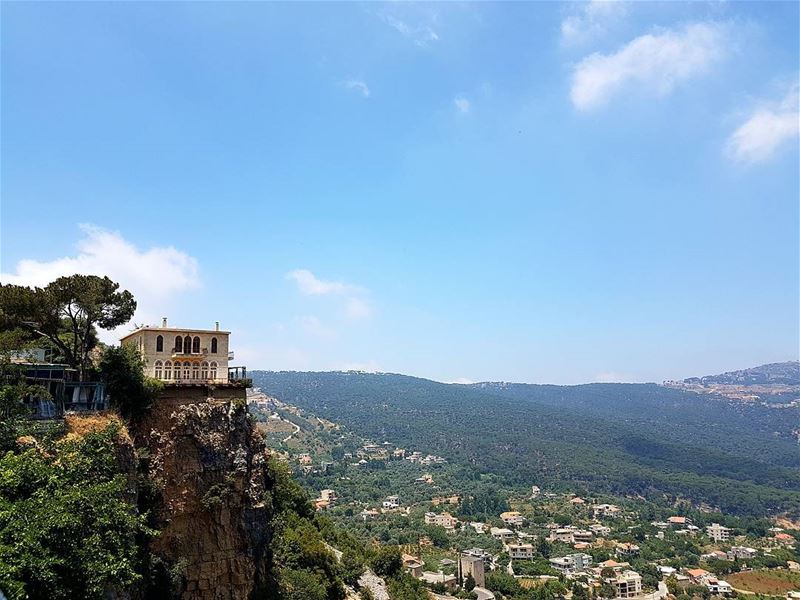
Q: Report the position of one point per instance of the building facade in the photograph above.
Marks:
(184, 356)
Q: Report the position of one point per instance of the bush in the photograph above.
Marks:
(66, 530)
(130, 391)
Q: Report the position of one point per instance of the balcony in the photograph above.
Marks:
(176, 353)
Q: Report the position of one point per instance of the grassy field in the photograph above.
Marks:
(773, 583)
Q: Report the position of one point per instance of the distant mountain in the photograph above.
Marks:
(623, 438)
(787, 373)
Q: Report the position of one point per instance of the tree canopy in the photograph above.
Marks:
(65, 314)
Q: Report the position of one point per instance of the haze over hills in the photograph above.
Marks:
(624, 438)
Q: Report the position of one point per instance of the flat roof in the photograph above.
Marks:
(173, 330)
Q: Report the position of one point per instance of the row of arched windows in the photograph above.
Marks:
(186, 345)
(185, 370)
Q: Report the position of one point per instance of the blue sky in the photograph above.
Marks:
(538, 192)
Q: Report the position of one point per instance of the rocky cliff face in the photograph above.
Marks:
(209, 475)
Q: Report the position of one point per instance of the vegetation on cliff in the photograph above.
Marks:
(67, 528)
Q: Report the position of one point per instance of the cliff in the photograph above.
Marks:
(207, 474)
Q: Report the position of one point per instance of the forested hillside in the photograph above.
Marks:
(629, 439)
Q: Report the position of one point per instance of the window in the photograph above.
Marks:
(213, 370)
(204, 370)
(186, 369)
(158, 368)
(196, 345)
(178, 344)
(213, 345)
(168, 370)
(195, 371)
(160, 343)
(187, 345)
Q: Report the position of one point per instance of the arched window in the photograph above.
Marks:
(213, 345)
(195, 371)
(196, 345)
(168, 370)
(178, 344)
(204, 370)
(187, 345)
(213, 374)
(186, 369)
(160, 343)
(158, 369)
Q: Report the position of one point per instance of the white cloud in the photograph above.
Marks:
(590, 20)
(358, 85)
(356, 306)
(155, 276)
(654, 62)
(421, 35)
(309, 284)
(462, 104)
(769, 127)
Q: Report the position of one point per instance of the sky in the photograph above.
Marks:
(539, 192)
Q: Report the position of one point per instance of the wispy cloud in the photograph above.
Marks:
(359, 86)
(655, 63)
(356, 305)
(421, 34)
(462, 104)
(310, 285)
(590, 20)
(155, 276)
(771, 126)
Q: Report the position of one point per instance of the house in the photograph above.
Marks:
(741, 553)
(784, 539)
(627, 584)
(453, 500)
(612, 564)
(626, 549)
(562, 534)
(501, 533)
(391, 502)
(478, 527)
(666, 571)
(520, 551)
(577, 501)
(412, 565)
(718, 587)
(329, 495)
(512, 518)
(718, 533)
(572, 563)
(445, 520)
(600, 530)
(368, 515)
(582, 535)
(183, 356)
(535, 491)
(432, 578)
(678, 521)
(469, 564)
(715, 555)
(606, 510)
(698, 576)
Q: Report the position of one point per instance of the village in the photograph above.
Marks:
(590, 546)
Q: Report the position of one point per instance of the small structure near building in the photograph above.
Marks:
(469, 564)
